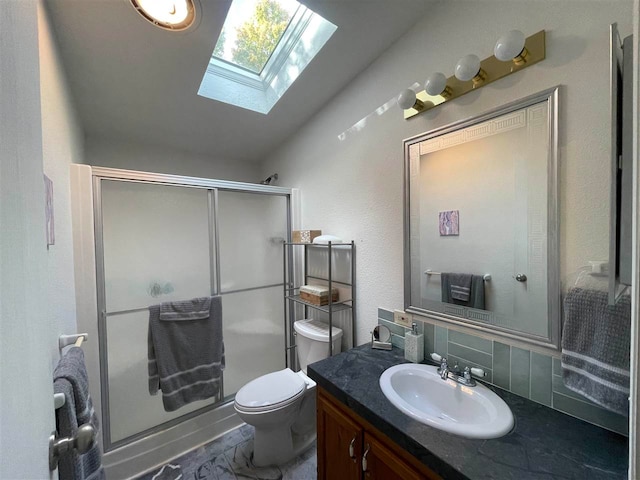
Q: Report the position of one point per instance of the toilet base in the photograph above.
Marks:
(279, 447)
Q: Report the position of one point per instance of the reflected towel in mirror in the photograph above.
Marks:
(458, 286)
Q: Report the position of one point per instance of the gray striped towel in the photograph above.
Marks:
(70, 378)
(185, 350)
(596, 343)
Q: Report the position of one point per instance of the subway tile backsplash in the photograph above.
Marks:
(532, 375)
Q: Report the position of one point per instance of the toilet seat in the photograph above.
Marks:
(271, 391)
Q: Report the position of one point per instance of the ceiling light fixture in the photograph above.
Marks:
(173, 15)
(513, 52)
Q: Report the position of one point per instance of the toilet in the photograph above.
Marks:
(282, 405)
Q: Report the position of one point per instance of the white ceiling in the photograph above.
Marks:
(133, 81)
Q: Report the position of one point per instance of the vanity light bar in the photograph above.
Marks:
(491, 69)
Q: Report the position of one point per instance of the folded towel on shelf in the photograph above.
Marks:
(596, 348)
(70, 378)
(185, 350)
(463, 289)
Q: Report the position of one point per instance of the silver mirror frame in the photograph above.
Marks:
(552, 340)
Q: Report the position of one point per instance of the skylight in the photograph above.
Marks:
(263, 47)
(252, 31)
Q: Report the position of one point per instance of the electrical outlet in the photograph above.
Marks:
(402, 318)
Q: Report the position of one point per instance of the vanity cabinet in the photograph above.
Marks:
(350, 448)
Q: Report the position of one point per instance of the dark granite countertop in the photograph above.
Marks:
(544, 444)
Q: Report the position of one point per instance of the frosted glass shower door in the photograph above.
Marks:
(157, 247)
(252, 228)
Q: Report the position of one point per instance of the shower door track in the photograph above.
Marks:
(213, 187)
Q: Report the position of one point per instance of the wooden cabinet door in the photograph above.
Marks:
(380, 463)
(339, 444)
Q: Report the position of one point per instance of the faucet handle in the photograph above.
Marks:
(437, 358)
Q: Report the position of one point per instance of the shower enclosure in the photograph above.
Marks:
(160, 238)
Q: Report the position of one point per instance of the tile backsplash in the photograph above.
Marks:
(532, 375)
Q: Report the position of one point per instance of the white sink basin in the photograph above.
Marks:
(472, 412)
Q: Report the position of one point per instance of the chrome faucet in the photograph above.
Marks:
(444, 369)
(463, 377)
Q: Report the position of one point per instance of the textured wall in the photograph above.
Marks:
(348, 160)
(26, 336)
(62, 145)
(150, 158)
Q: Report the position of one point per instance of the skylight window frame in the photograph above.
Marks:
(288, 41)
(229, 83)
(292, 21)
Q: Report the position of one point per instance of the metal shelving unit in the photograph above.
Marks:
(292, 292)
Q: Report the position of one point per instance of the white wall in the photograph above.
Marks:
(36, 284)
(62, 145)
(348, 159)
(132, 155)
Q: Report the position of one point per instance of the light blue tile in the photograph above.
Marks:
(441, 341)
(541, 378)
(502, 365)
(452, 359)
(394, 327)
(385, 314)
(397, 340)
(592, 414)
(559, 387)
(557, 366)
(474, 356)
(520, 371)
(429, 339)
(470, 341)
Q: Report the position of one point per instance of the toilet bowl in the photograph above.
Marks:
(282, 405)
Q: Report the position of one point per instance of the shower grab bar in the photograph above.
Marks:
(486, 277)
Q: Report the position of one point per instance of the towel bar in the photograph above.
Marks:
(486, 277)
(75, 339)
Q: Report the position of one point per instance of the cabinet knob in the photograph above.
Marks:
(352, 453)
(521, 277)
(364, 458)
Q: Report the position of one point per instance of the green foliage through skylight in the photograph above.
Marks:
(252, 31)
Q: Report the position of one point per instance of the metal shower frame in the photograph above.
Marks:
(212, 187)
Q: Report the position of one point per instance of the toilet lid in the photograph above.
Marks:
(270, 390)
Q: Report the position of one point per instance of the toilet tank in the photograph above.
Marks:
(312, 341)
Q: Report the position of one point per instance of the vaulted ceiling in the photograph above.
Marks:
(133, 81)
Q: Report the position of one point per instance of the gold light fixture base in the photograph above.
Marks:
(494, 69)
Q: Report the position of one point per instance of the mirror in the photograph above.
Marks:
(481, 222)
(381, 338)
(382, 334)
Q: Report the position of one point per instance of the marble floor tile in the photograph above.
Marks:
(305, 467)
(230, 457)
(240, 459)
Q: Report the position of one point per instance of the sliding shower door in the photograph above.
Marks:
(156, 249)
(162, 241)
(251, 229)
